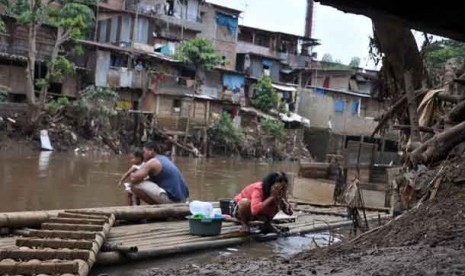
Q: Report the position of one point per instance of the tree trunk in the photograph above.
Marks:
(30, 66)
(439, 146)
(398, 44)
(412, 108)
(55, 51)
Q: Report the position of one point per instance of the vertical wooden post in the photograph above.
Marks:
(412, 108)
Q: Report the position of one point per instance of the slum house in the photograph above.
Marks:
(13, 57)
(261, 52)
(220, 26)
(143, 69)
(131, 33)
(339, 114)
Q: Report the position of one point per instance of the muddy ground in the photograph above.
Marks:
(428, 240)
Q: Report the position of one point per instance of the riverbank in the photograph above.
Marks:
(428, 240)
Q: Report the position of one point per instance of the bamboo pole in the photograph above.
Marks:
(70, 227)
(68, 214)
(84, 269)
(54, 243)
(36, 267)
(129, 213)
(78, 221)
(45, 254)
(86, 235)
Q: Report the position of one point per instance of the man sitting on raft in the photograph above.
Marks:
(165, 183)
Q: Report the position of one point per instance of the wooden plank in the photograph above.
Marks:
(78, 221)
(80, 216)
(54, 243)
(86, 235)
(71, 227)
(31, 267)
(45, 254)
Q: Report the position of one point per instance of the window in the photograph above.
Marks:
(102, 36)
(339, 106)
(114, 29)
(125, 29)
(354, 107)
(266, 70)
(176, 106)
(142, 30)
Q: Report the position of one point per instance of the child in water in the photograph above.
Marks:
(137, 160)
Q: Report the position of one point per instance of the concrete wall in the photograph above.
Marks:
(222, 40)
(211, 83)
(337, 80)
(256, 68)
(320, 110)
(112, 4)
(246, 47)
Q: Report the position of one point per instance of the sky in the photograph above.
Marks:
(342, 35)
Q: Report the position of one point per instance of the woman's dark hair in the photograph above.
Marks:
(271, 179)
(138, 154)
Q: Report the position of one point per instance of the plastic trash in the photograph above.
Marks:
(201, 208)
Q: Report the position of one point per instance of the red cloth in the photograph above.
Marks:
(254, 193)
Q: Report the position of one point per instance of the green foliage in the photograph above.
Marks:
(55, 106)
(225, 133)
(40, 83)
(60, 67)
(438, 52)
(274, 128)
(199, 52)
(354, 62)
(98, 101)
(265, 97)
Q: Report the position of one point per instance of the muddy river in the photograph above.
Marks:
(51, 180)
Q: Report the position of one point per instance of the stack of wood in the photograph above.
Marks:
(65, 245)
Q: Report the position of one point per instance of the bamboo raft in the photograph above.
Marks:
(67, 244)
(157, 239)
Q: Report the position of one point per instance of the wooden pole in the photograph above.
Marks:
(54, 243)
(37, 267)
(130, 213)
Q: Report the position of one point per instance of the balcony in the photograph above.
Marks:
(158, 11)
(127, 78)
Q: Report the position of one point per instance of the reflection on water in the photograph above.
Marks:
(50, 180)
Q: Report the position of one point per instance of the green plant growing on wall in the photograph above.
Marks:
(198, 52)
(265, 97)
(273, 128)
(225, 133)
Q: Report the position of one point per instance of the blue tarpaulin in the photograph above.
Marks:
(267, 62)
(354, 107)
(233, 81)
(339, 106)
(228, 21)
(319, 91)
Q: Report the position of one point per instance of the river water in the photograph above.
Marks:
(51, 180)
